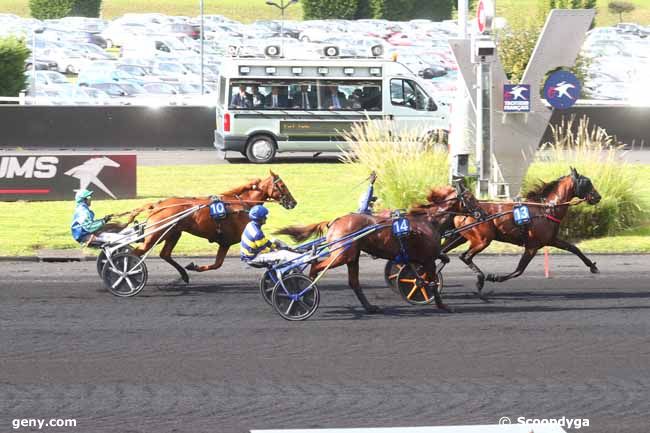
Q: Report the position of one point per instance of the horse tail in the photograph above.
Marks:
(302, 233)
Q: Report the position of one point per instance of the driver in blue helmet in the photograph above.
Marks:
(86, 229)
(256, 248)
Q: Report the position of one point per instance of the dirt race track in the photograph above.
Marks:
(213, 357)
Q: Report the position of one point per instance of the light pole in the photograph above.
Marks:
(202, 39)
(282, 6)
(34, 31)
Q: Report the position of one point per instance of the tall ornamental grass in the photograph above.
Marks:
(625, 202)
(407, 163)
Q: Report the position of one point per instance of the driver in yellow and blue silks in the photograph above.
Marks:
(256, 248)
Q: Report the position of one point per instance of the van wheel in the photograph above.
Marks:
(260, 149)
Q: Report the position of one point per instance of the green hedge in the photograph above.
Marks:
(13, 53)
(53, 9)
(326, 9)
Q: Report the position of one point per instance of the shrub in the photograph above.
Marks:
(53, 9)
(407, 165)
(13, 53)
(50, 9)
(325, 9)
(402, 10)
(592, 152)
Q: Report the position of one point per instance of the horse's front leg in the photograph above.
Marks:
(218, 262)
(528, 255)
(566, 246)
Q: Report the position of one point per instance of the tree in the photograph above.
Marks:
(87, 8)
(53, 9)
(13, 53)
(619, 7)
(327, 9)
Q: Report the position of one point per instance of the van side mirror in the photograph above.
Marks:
(431, 105)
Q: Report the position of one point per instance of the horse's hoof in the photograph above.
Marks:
(594, 269)
(191, 267)
(491, 277)
(373, 309)
(445, 308)
(444, 258)
(185, 278)
(480, 282)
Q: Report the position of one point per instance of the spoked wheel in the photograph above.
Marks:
(266, 287)
(414, 288)
(291, 306)
(126, 277)
(101, 258)
(390, 274)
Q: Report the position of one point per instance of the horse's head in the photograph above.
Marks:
(274, 188)
(583, 188)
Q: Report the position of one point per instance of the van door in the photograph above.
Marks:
(408, 106)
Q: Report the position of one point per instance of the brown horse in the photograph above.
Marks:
(548, 205)
(225, 233)
(422, 245)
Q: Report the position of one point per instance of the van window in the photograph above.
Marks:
(408, 94)
(304, 94)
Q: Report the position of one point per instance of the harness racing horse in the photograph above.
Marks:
(548, 205)
(225, 233)
(422, 245)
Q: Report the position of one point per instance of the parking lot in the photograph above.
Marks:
(153, 59)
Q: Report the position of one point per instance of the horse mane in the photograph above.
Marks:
(439, 193)
(435, 196)
(542, 189)
(241, 189)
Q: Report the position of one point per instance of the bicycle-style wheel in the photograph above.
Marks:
(391, 270)
(414, 288)
(101, 258)
(293, 304)
(126, 276)
(266, 287)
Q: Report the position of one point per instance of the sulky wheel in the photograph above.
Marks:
(390, 274)
(126, 276)
(289, 305)
(101, 258)
(414, 289)
(266, 287)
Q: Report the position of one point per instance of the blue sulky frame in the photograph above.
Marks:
(279, 274)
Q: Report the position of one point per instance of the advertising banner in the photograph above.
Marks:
(52, 176)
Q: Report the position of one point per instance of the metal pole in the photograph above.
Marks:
(282, 6)
(202, 40)
(459, 139)
(480, 164)
(463, 8)
(34, 61)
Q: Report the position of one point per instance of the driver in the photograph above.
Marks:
(256, 248)
(86, 229)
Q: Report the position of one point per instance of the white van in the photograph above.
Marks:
(269, 106)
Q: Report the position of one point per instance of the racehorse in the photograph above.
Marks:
(225, 233)
(548, 205)
(422, 245)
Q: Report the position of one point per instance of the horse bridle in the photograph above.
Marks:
(284, 199)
